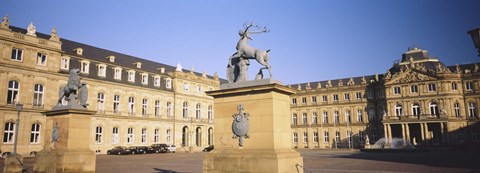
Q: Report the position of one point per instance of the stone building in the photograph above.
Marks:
(138, 102)
(419, 100)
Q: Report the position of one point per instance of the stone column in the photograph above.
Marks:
(268, 148)
(389, 133)
(442, 132)
(408, 132)
(385, 131)
(422, 131)
(427, 135)
(403, 133)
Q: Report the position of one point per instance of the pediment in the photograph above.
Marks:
(410, 76)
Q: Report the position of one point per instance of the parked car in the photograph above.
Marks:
(208, 149)
(172, 148)
(138, 149)
(160, 148)
(119, 150)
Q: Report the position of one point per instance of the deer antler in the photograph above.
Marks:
(249, 26)
(263, 30)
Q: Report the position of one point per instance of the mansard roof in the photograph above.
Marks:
(99, 54)
(335, 82)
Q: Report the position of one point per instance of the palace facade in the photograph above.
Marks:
(419, 100)
(141, 102)
(138, 102)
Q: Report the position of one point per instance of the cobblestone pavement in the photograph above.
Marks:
(335, 161)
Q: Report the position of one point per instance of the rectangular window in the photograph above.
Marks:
(359, 116)
(102, 70)
(169, 108)
(35, 134)
(64, 63)
(314, 118)
(101, 102)
(432, 87)
(13, 92)
(415, 109)
(115, 135)
(371, 114)
(144, 107)
(156, 137)
(325, 118)
(314, 99)
(145, 79)
(9, 133)
(131, 76)
(156, 81)
(144, 136)
(396, 90)
(370, 94)
(41, 59)
(38, 95)
(157, 108)
(347, 117)
(85, 67)
(469, 86)
(130, 135)
(294, 101)
(472, 111)
(305, 137)
(457, 109)
(336, 117)
(315, 137)
(324, 99)
(359, 95)
(295, 137)
(17, 54)
(347, 96)
(116, 104)
(168, 83)
(325, 137)
(414, 89)
(304, 118)
(117, 74)
(304, 100)
(98, 135)
(186, 87)
(454, 86)
(337, 137)
(131, 105)
(169, 135)
(361, 136)
(335, 97)
(294, 119)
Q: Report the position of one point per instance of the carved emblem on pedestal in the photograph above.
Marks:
(240, 125)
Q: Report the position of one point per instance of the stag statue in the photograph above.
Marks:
(245, 52)
(74, 92)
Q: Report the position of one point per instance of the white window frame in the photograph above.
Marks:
(294, 119)
(98, 135)
(295, 137)
(102, 70)
(304, 100)
(305, 137)
(304, 118)
(168, 83)
(101, 102)
(315, 137)
(64, 63)
(337, 136)
(359, 116)
(469, 86)
(359, 95)
(156, 136)
(325, 117)
(130, 135)
(9, 133)
(472, 109)
(35, 133)
(116, 103)
(13, 92)
(169, 109)
(185, 110)
(398, 110)
(17, 54)
(38, 93)
(144, 78)
(314, 118)
(456, 108)
(115, 135)
(41, 59)
(144, 136)
(454, 86)
(85, 66)
(326, 139)
(432, 87)
(131, 75)
(198, 111)
(156, 81)
(336, 117)
(414, 89)
(131, 105)
(186, 87)
(348, 118)
(117, 73)
(335, 97)
(434, 109)
(314, 99)
(210, 112)
(157, 108)
(415, 109)
(294, 101)
(324, 98)
(397, 90)
(144, 107)
(169, 135)
(346, 96)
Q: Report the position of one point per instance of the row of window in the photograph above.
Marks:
(9, 133)
(326, 136)
(130, 135)
(17, 55)
(434, 110)
(14, 89)
(335, 97)
(336, 117)
(431, 87)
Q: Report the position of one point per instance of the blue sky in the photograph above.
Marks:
(309, 40)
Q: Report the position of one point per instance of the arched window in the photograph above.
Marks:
(130, 135)
(38, 95)
(185, 110)
(472, 110)
(13, 91)
(98, 135)
(198, 111)
(434, 109)
(398, 110)
(210, 112)
(415, 109)
(35, 134)
(9, 133)
(115, 135)
(169, 108)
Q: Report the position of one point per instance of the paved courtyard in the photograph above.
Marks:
(335, 161)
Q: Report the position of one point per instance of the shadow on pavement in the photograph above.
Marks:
(158, 170)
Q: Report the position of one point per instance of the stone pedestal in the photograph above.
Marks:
(13, 163)
(269, 147)
(71, 153)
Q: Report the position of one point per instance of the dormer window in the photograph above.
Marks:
(85, 66)
(131, 75)
(145, 78)
(117, 73)
(168, 83)
(65, 63)
(78, 51)
(138, 64)
(41, 59)
(102, 70)
(111, 58)
(156, 81)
